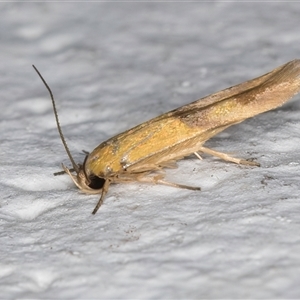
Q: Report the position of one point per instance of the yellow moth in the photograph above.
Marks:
(141, 153)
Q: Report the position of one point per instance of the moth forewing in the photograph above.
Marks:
(184, 130)
(140, 154)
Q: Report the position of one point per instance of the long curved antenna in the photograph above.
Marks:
(75, 167)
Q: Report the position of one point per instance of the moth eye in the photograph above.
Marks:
(96, 182)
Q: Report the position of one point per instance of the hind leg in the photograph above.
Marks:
(227, 157)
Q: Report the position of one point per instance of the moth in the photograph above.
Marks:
(142, 153)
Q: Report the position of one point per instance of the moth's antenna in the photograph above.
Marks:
(75, 167)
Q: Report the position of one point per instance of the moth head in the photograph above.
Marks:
(87, 181)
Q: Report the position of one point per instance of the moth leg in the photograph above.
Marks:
(177, 185)
(198, 155)
(158, 180)
(103, 193)
(63, 172)
(227, 157)
(59, 173)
